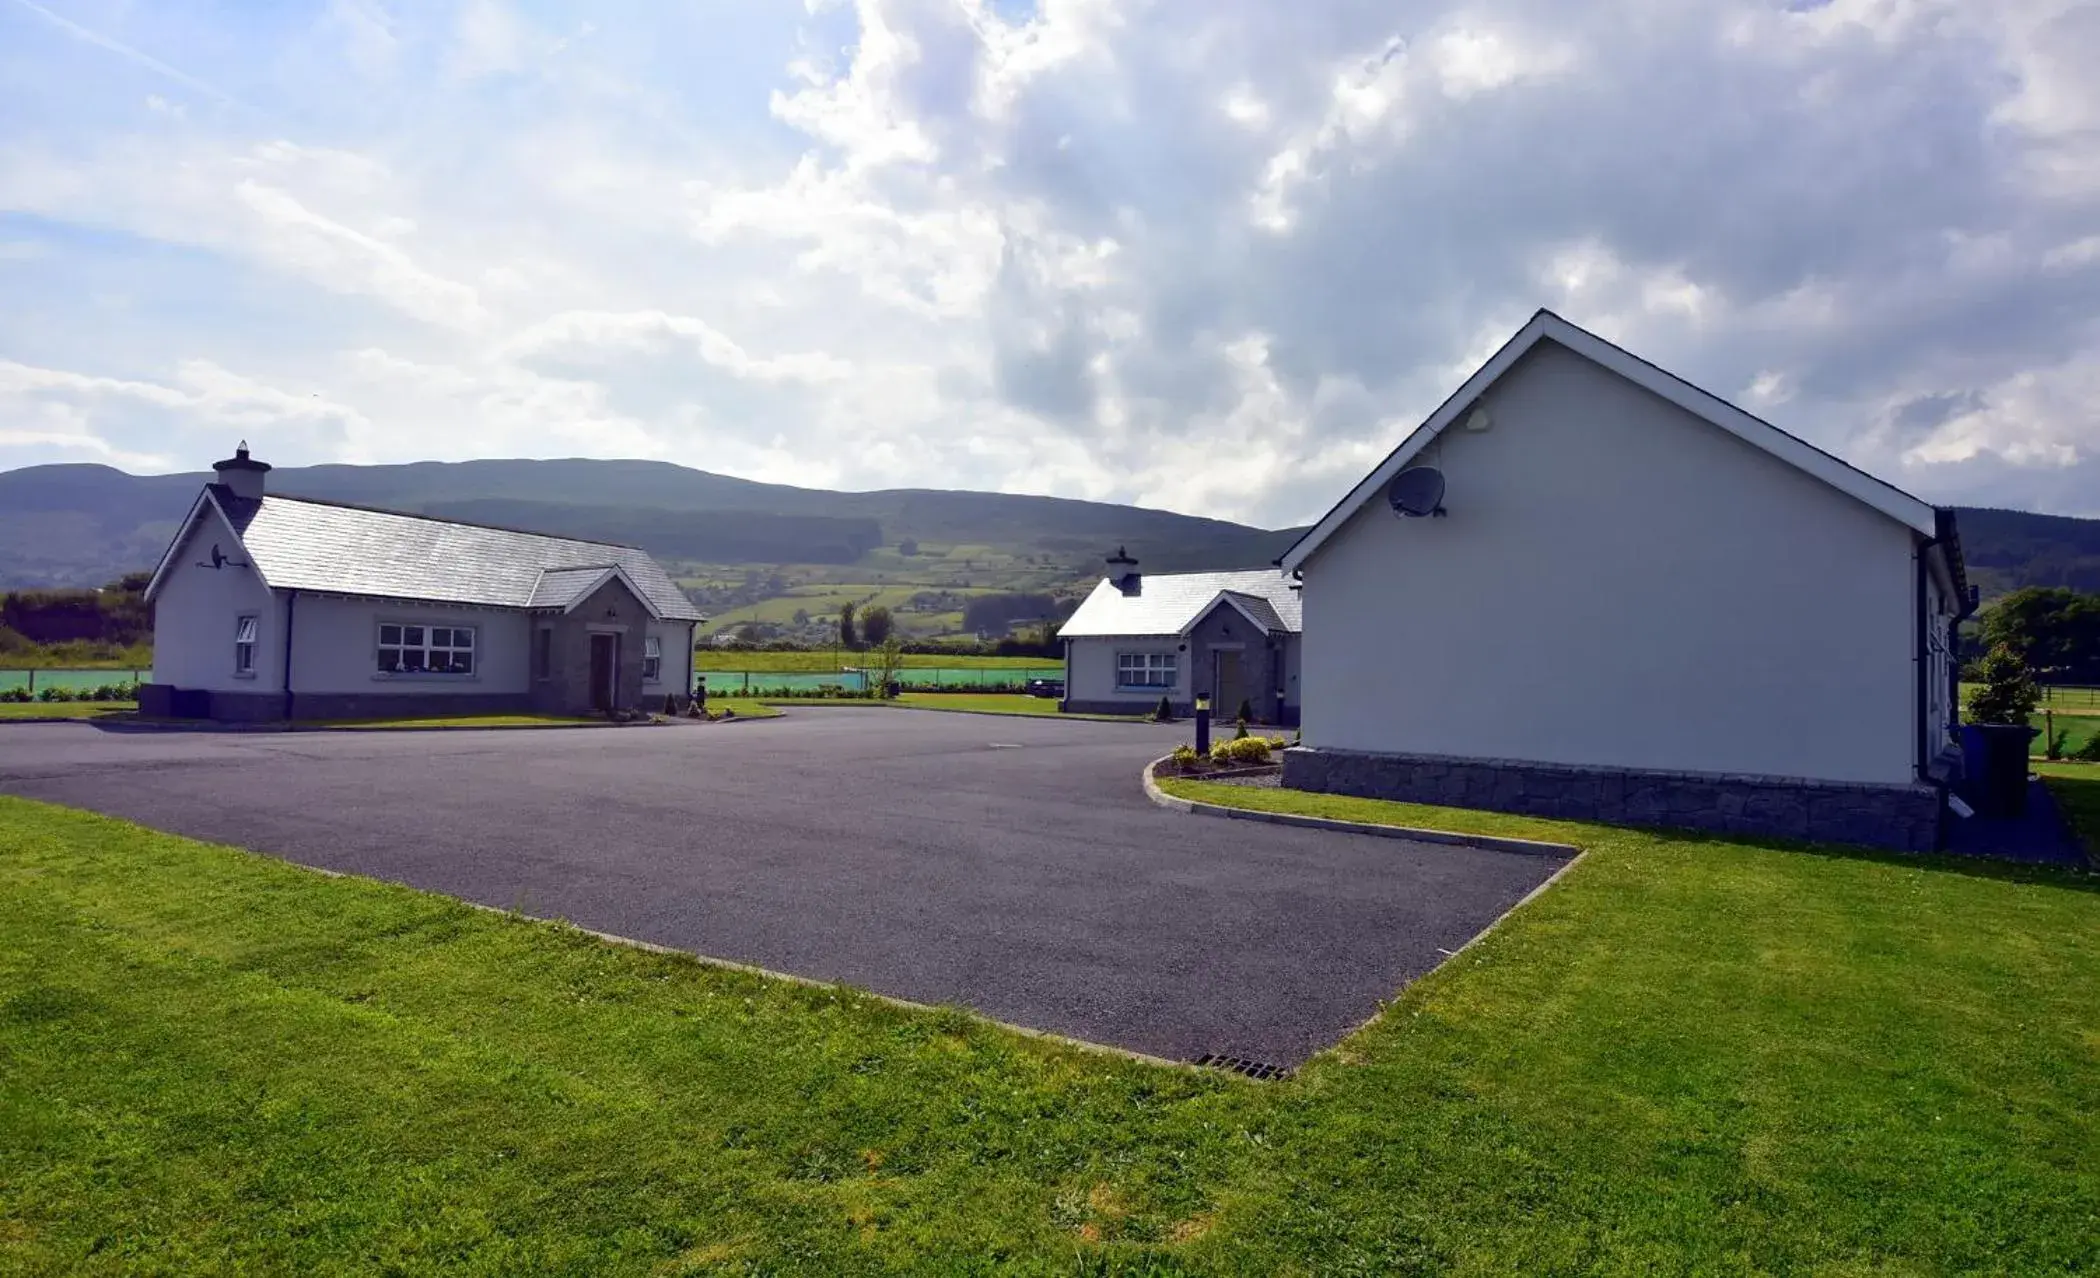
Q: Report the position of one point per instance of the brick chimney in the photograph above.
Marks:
(242, 474)
(1123, 571)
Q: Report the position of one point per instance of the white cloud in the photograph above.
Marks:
(1215, 255)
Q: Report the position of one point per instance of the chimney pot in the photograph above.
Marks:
(241, 474)
(1123, 570)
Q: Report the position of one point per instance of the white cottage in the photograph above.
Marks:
(272, 607)
(1230, 635)
(1633, 602)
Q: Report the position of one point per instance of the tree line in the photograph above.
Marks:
(2055, 631)
(115, 615)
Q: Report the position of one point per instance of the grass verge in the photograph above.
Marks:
(975, 703)
(1689, 1055)
(461, 721)
(817, 662)
(745, 707)
(62, 709)
(2076, 787)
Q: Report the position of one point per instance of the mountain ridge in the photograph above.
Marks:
(84, 523)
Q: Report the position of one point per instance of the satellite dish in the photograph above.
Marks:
(1417, 491)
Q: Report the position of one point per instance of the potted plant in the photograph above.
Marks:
(1995, 739)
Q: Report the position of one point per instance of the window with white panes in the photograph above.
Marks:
(244, 633)
(414, 649)
(652, 659)
(1145, 669)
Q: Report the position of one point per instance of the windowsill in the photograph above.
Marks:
(244, 674)
(423, 676)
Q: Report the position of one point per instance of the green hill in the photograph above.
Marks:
(738, 544)
(84, 524)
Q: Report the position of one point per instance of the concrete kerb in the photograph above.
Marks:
(1491, 842)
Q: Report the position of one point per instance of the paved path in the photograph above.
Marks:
(1008, 864)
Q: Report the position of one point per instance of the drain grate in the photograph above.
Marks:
(1261, 1070)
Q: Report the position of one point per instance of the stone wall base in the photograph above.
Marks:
(164, 701)
(405, 705)
(1906, 817)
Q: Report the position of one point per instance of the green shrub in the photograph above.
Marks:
(54, 694)
(2053, 748)
(2090, 751)
(1246, 715)
(1242, 750)
(2009, 694)
(1164, 713)
(1184, 756)
(14, 694)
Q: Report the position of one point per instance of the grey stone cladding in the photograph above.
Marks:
(566, 687)
(1905, 817)
(399, 705)
(1261, 662)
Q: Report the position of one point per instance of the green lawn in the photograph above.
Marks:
(976, 703)
(461, 721)
(62, 709)
(1688, 1055)
(745, 707)
(706, 659)
(2076, 728)
(2077, 790)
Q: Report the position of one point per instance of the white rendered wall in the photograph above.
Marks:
(195, 613)
(675, 640)
(1620, 584)
(1090, 674)
(335, 647)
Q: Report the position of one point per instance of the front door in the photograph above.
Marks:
(1230, 689)
(605, 671)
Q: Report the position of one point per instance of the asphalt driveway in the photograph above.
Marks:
(1007, 864)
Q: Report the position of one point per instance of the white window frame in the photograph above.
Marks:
(421, 638)
(652, 659)
(247, 631)
(1150, 667)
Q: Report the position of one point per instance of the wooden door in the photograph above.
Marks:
(605, 669)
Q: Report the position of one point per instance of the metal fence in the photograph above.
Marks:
(764, 683)
(70, 679)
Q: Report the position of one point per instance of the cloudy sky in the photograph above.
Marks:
(1216, 256)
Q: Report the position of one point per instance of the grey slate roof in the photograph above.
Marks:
(1166, 603)
(562, 587)
(300, 544)
(1262, 609)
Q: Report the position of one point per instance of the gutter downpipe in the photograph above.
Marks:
(291, 605)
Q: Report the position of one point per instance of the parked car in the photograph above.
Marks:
(1047, 688)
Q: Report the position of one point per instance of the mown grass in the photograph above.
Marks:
(745, 707)
(62, 709)
(1689, 1055)
(816, 662)
(1014, 703)
(2076, 788)
(2076, 729)
(461, 721)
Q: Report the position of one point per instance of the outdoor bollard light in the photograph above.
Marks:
(1202, 723)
